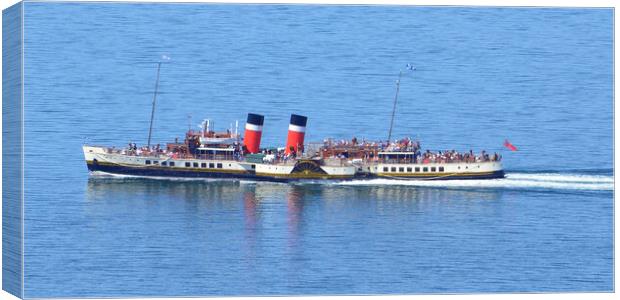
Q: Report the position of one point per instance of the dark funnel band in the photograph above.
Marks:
(255, 119)
(299, 120)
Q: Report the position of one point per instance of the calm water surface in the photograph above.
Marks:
(539, 77)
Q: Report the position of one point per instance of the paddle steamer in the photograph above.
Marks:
(206, 153)
(210, 154)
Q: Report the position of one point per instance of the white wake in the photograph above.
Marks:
(512, 180)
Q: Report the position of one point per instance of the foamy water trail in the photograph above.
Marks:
(561, 177)
(512, 180)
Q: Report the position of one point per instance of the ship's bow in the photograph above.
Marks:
(91, 156)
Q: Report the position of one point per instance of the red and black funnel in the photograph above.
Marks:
(296, 133)
(253, 132)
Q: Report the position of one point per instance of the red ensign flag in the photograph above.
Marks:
(510, 146)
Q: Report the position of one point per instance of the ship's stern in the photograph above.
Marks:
(497, 170)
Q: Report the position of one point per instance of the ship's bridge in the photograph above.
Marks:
(215, 153)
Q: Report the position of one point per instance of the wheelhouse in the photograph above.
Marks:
(216, 153)
(396, 157)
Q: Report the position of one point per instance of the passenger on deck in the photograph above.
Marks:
(292, 152)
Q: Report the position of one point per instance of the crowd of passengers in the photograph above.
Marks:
(278, 155)
(403, 145)
(133, 149)
(411, 146)
(453, 156)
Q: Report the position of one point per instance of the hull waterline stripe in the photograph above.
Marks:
(435, 174)
(154, 170)
(307, 176)
(175, 168)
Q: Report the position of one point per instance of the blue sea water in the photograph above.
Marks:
(540, 77)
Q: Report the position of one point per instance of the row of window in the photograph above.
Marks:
(410, 169)
(187, 164)
(155, 162)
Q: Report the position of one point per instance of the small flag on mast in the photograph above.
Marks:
(410, 67)
(510, 146)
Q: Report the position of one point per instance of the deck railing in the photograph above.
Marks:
(277, 159)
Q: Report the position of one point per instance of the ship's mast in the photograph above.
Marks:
(153, 108)
(409, 67)
(394, 107)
